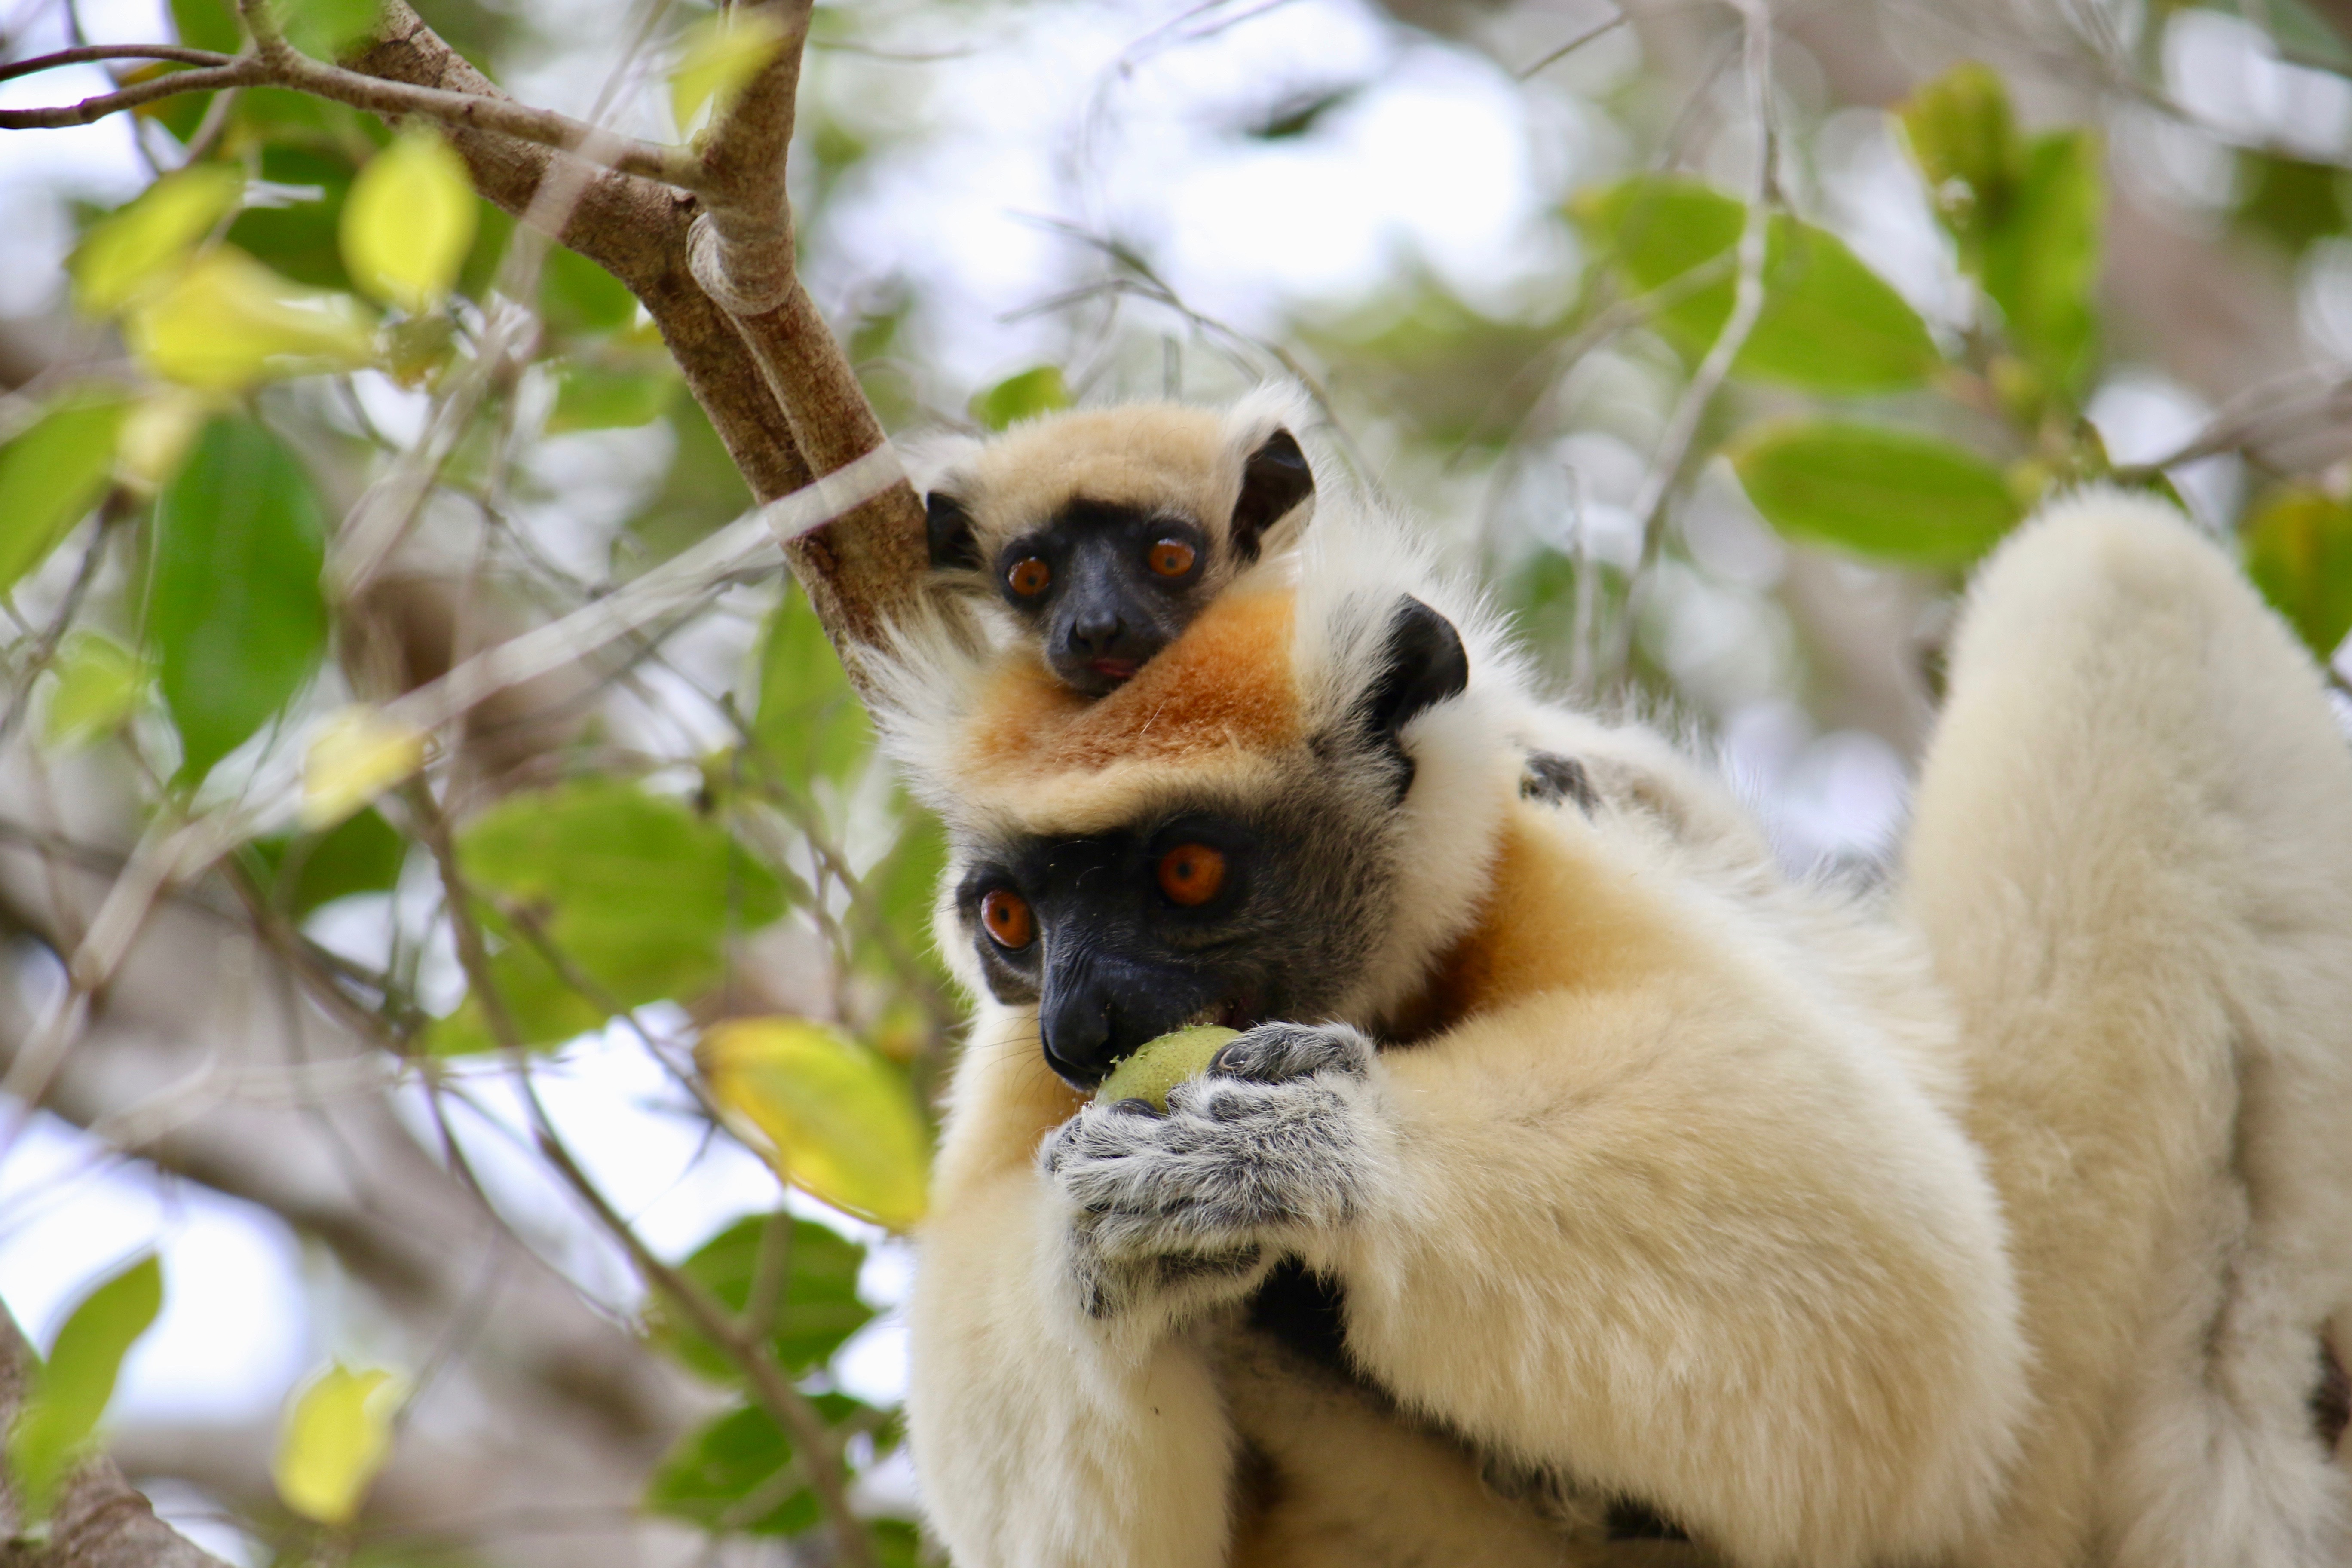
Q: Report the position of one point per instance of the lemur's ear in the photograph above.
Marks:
(1423, 663)
(1275, 480)
(949, 528)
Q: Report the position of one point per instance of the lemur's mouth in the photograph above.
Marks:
(1113, 668)
(1231, 1014)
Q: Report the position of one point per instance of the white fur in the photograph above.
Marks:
(1830, 1257)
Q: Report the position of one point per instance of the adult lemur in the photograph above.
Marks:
(1579, 1160)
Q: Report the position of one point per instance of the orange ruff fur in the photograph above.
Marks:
(1220, 688)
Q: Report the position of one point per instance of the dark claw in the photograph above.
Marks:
(1134, 1107)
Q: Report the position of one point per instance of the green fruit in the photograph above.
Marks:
(1159, 1065)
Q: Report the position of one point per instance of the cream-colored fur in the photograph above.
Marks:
(2132, 859)
(1706, 1193)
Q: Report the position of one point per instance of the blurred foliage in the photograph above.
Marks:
(309, 270)
(67, 1394)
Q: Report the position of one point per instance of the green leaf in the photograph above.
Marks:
(834, 1116)
(575, 295)
(591, 398)
(816, 1311)
(1890, 494)
(409, 221)
(1024, 396)
(2042, 259)
(234, 613)
(52, 474)
(128, 252)
(71, 1390)
(809, 723)
(1964, 139)
(363, 854)
(1829, 323)
(335, 1437)
(2288, 201)
(632, 888)
(206, 24)
(733, 1476)
(2298, 546)
(98, 685)
(325, 29)
(302, 238)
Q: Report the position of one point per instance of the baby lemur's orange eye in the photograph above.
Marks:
(1030, 577)
(1191, 873)
(1006, 915)
(1172, 558)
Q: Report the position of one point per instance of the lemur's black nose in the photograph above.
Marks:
(1096, 633)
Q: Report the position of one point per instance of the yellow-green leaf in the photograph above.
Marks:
(334, 1439)
(157, 433)
(360, 753)
(720, 57)
(52, 474)
(70, 1390)
(229, 323)
(832, 1117)
(130, 250)
(1022, 397)
(99, 683)
(1964, 139)
(408, 222)
(1891, 495)
(2298, 549)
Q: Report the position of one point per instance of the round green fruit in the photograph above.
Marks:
(1159, 1065)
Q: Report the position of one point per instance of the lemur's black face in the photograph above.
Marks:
(1196, 916)
(1105, 587)
(1263, 903)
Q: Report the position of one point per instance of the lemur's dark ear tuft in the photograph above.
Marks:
(1423, 663)
(1275, 480)
(949, 528)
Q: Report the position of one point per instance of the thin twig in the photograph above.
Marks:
(1748, 304)
(90, 52)
(1573, 45)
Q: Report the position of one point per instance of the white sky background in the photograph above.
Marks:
(1437, 160)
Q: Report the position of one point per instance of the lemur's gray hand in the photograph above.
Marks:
(1195, 1203)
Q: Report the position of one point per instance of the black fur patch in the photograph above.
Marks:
(1302, 1311)
(1275, 480)
(1552, 778)
(1631, 1520)
(948, 529)
(2331, 1400)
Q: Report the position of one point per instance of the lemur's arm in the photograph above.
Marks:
(1695, 1240)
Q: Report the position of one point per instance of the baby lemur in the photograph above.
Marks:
(1103, 533)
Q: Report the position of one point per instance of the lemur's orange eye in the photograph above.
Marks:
(1006, 915)
(1172, 558)
(1191, 873)
(1030, 577)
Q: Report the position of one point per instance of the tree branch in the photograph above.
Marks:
(237, 73)
(864, 566)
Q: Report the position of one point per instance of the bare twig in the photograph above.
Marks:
(92, 52)
(1570, 47)
(1748, 304)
